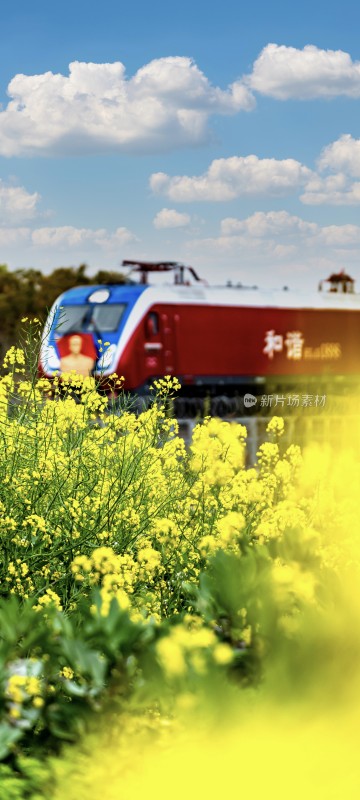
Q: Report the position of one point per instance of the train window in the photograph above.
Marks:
(107, 317)
(90, 318)
(152, 324)
(70, 318)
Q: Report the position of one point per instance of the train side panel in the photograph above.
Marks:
(247, 341)
(204, 342)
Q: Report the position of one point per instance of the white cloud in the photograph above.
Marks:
(14, 236)
(169, 218)
(340, 235)
(112, 242)
(228, 178)
(277, 225)
(96, 108)
(271, 223)
(277, 236)
(16, 204)
(325, 195)
(67, 237)
(342, 155)
(287, 72)
(338, 187)
(166, 104)
(267, 248)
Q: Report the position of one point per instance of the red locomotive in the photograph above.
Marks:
(216, 340)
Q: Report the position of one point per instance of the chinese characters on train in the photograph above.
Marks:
(293, 344)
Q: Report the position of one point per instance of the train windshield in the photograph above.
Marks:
(90, 318)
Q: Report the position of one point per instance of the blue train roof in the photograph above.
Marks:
(119, 293)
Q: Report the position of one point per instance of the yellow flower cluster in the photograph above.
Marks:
(191, 647)
(167, 386)
(93, 496)
(50, 598)
(67, 673)
(227, 534)
(107, 569)
(117, 501)
(276, 426)
(23, 690)
(18, 578)
(15, 357)
(218, 450)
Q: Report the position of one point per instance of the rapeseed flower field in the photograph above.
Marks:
(170, 620)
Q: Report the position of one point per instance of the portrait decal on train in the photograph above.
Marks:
(77, 353)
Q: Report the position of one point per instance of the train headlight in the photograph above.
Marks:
(99, 296)
(106, 358)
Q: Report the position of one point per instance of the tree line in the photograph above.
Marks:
(30, 293)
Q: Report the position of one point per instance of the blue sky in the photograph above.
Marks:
(228, 139)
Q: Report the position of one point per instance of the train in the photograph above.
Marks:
(218, 341)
